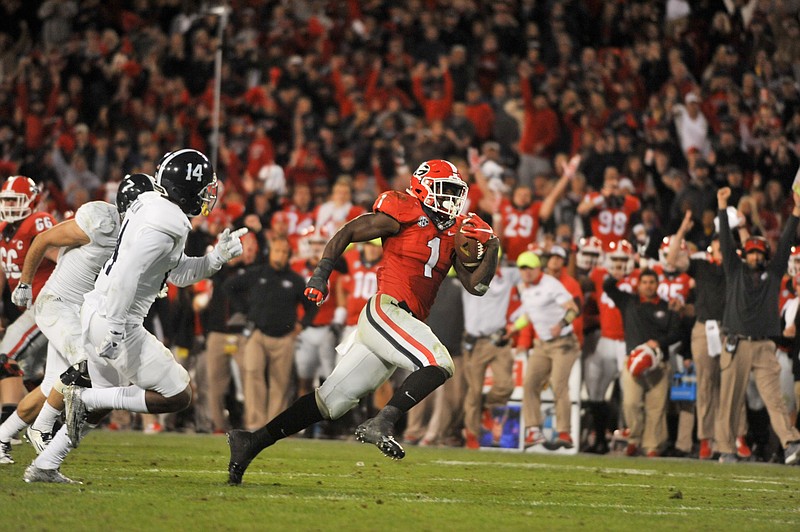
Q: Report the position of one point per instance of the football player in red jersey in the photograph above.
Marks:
(418, 229)
(603, 366)
(23, 341)
(611, 210)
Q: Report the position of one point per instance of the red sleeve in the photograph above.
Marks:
(527, 93)
(372, 84)
(632, 204)
(416, 88)
(401, 206)
(448, 92)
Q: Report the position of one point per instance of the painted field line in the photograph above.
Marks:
(618, 470)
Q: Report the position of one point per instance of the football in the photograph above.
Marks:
(468, 250)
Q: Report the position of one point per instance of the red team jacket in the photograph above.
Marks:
(14, 246)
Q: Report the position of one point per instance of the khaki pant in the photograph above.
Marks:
(220, 347)
(551, 361)
(485, 354)
(708, 380)
(644, 404)
(262, 352)
(759, 357)
(438, 417)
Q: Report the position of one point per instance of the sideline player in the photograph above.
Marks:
(149, 252)
(87, 241)
(418, 229)
(19, 227)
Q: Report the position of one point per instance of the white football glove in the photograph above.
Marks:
(110, 346)
(22, 295)
(229, 246)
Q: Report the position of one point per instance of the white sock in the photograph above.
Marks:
(130, 398)
(11, 427)
(56, 451)
(46, 418)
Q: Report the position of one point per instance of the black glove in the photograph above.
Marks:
(78, 375)
(9, 368)
(317, 287)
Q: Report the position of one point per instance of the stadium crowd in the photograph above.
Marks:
(326, 104)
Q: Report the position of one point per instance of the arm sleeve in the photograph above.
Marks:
(192, 269)
(781, 259)
(672, 334)
(619, 297)
(135, 255)
(726, 244)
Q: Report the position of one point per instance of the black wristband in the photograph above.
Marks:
(324, 268)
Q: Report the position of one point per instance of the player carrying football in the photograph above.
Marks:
(418, 229)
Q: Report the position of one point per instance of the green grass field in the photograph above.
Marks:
(178, 482)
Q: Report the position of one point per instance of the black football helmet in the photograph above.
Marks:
(130, 188)
(186, 178)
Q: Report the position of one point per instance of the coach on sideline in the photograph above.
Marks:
(646, 319)
(750, 318)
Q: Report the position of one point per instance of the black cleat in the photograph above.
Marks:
(243, 450)
(378, 431)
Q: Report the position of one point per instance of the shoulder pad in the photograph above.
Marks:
(97, 216)
(403, 207)
(29, 227)
(161, 214)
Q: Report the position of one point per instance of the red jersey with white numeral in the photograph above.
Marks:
(610, 316)
(14, 245)
(360, 284)
(299, 224)
(786, 292)
(418, 257)
(519, 227)
(677, 285)
(611, 225)
(325, 313)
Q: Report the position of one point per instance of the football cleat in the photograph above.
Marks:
(40, 440)
(243, 449)
(75, 413)
(5, 453)
(378, 432)
(52, 476)
(792, 453)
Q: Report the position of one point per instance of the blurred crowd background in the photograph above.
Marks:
(332, 102)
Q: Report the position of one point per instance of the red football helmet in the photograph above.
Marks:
(642, 359)
(619, 258)
(793, 267)
(757, 243)
(18, 198)
(439, 187)
(590, 252)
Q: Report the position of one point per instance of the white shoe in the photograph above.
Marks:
(5, 453)
(40, 440)
(75, 411)
(52, 476)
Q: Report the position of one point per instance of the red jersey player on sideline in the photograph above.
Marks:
(19, 226)
(611, 210)
(418, 229)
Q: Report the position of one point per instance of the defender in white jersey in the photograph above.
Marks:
(86, 242)
(149, 252)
